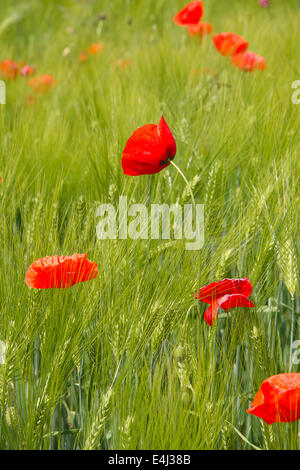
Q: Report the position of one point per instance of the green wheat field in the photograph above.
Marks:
(126, 361)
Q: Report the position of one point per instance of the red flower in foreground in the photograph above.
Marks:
(226, 294)
(27, 70)
(9, 69)
(42, 84)
(200, 29)
(95, 49)
(230, 43)
(248, 61)
(149, 149)
(60, 271)
(278, 399)
(190, 14)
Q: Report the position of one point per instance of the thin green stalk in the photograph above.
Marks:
(192, 196)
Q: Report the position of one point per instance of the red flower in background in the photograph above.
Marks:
(9, 69)
(31, 99)
(83, 57)
(190, 14)
(229, 43)
(200, 29)
(27, 70)
(42, 84)
(121, 63)
(264, 3)
(95, 49)
(60, 272)
(248, 61)
(226, 294)
(278, 399)
(149, 149)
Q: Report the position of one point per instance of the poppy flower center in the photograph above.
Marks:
(169, 159)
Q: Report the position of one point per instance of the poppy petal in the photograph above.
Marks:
(213, 291)
(235, 300)
(60, 271)
(227, 302)
(211, 313)
(229, 43)
(278, 399)
(248, 61)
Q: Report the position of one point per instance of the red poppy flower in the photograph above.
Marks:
(190, 14)
(149, 149)
(121, 63)
(42, 84)
(200, 29)
(95, 49)
(30, 100)
(9, 69)
(83, 57)
(278, 399)
(215, 290)
(264, 3)
(226, 303)
(230, 43)
(27, 70)
(60, 271)
(226, 294)
(248, 61)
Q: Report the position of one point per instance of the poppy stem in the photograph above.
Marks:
(192, 196)
(186, 182)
